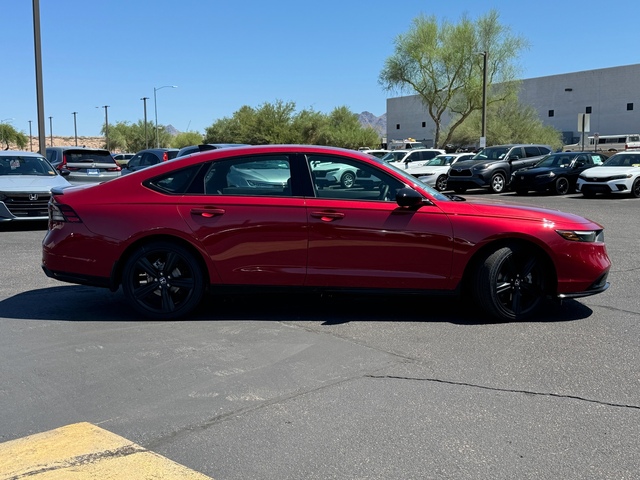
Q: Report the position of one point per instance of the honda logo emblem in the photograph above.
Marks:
(33, 196)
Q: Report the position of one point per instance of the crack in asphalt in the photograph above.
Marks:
(507, 390)
(82, 460)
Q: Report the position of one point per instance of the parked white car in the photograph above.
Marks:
(417, 157)
(434, 172)
(620, 174)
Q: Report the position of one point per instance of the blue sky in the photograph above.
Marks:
(223, 55)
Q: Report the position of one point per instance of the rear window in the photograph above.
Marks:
(171, 154)
(91, 156)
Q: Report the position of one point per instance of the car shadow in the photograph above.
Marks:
(77, 303)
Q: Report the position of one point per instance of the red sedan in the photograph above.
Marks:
(253, 216)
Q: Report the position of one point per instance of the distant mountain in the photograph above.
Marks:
(172, 130)
(379, 124)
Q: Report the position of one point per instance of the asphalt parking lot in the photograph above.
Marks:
(323, 387)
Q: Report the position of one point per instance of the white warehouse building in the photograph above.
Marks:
(610, 95)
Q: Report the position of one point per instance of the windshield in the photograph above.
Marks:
(562, 160)
(411, 180)
(439, 161)
(491, 153)
(623, 160)
(23, 165)
(394, 156)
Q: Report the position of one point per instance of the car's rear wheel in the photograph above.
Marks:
(510, 283)
(498, 183)
(348, 179)
(441, 183)
(635, 188)
(561, 186)
(163, 280)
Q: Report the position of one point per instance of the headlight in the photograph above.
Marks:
(621, 177)
(482, 166)
(582, 235)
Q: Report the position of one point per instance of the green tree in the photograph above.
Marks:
(443, 64)
(185, 139)
(127, 137)
(10, 136)
(511, 122)
(280, 123)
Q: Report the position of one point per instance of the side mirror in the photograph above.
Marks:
(408, 197)
(64, 172)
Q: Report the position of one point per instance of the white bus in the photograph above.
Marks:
(606, 143)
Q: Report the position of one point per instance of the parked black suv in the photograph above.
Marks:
(492, 167)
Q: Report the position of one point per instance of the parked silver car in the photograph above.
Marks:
(86, 165)
(26, 180)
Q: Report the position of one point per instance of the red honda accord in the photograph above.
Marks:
(279, 215)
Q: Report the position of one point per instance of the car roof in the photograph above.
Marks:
(12, 153)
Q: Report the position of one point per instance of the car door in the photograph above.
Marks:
(361, 238)
(252, 227)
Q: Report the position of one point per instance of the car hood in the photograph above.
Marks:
(434, 170)
(32, 183)
(609, 171)
(500, 209)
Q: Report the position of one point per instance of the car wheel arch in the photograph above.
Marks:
(486, 249)
(208, 270)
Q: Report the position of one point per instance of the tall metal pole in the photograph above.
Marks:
(483, 138)
(146, 138)
(39, 90)
(106, 124)
(50, 130)
(30, 138)
(75, 126)
(155, 107)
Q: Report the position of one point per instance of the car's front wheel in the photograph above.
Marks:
(163, 280)
(348, 179)
(441, 183)
(561, 186)
(510, 283)
(498, 183)
(635, 188)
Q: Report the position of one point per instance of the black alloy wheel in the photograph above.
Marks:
(561, 186)
(163, 280)
(510, 283)
(635, 188)
(441, 183)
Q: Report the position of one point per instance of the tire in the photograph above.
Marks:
(510, 283)
(348, 179)
(163, 280)
(635, 188)
(498, 183)
(459, 189)
(441, 183)
(561, 186)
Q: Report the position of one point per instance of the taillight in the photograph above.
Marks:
(114, 169)
(63, 163)
(59, 212)
(165, 157)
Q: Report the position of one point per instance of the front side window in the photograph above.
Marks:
(346, 178)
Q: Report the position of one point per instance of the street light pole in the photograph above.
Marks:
(106, 124)
(75, 126)
(51, 129)
(37, 46)
(155, 107)
(146, 138)
(483, 137)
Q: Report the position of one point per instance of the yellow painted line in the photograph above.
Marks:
(83, 451)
